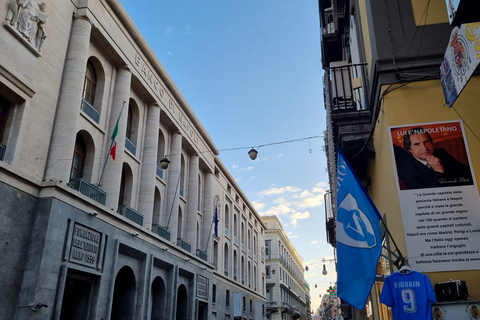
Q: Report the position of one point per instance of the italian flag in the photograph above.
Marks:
(113, 147)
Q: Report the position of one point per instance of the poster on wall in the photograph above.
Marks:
(460, 60)
(438, 196)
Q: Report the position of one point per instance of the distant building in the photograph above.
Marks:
(287, 293)
(84, 236)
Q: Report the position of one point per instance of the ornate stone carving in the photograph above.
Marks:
(28, 18)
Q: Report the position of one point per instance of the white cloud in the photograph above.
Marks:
(189, 29)
(168, 31)
(311, 202)
(169, 53)
(249, 168)
(291, 235)
(279, 155)
(234, 166)
(274, 190)
(321, 187)
(258, 205)
(314, 242)
(305, 194)
(278, 210)
(300, 215)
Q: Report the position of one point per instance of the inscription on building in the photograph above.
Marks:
(85, 246)
(149, 76)
(187, 127)
(202, 287)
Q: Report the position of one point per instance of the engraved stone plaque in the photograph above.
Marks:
(85, 246)
(202, 287)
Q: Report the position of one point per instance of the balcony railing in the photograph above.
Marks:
(161, 231)
(2, 152)
(202, 254)
(271, 306)
(131, 214)
(88, 189)
(159, 172)
(348, 87)
(130, 146)
(90, 111)
(184, 244)
(329, 218)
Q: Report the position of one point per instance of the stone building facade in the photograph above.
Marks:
(287, 292)
(84, 236)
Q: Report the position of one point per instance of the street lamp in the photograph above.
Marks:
(164, 163)
(253, 154)
(324, 271)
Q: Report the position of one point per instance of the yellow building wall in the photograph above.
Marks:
(421, 102)
(430, 12)
(365, 34)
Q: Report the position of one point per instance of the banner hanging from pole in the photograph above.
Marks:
(359, 242)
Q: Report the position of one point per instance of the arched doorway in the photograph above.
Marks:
(182, 303)
(124, 295)
(157, 300)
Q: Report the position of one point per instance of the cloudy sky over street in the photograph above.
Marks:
(251, 72)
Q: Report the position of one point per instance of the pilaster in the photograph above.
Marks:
(149, 166)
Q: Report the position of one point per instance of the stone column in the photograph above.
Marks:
(64, 131)
(192, 203)
(149, 166)
(207, 213)
(173, 187)
(113, 170)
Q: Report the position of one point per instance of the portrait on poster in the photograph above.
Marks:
(438, 196)
(431, 156)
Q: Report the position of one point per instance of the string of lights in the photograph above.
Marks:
(275, 143)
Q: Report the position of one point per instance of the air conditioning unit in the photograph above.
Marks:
(329, 21)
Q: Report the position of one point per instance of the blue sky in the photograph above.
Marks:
(251, 72)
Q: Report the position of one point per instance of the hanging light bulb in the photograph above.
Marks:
(164, 163)
(253, 154)
(324, 271)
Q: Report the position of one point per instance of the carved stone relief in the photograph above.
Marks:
(28, 18)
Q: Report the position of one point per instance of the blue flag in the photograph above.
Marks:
(215, 221)
(359, 242)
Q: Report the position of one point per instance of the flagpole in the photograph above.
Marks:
(209, 235)
(211, 226)
(106, 158)
(173, 202)
(400, 257)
